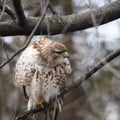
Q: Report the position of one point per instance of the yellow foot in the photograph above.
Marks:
(41, 102)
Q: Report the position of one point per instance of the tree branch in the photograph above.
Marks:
(52, 9)
(3, 9)
(74, 22)
(8, 11)
(24, 115)
(19, 12)
(88, 74)
(83, 78)
(29, 38)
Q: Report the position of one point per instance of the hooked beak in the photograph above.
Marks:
(65, 55)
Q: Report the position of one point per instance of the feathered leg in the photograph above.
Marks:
(45, 115)
(52, 114)
(54, 109)
(56, 114)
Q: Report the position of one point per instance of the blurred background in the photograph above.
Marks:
(96, 99)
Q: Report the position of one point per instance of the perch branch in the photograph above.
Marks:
(83, 78)
(28, 113)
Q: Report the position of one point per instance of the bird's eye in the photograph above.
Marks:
(59, 52)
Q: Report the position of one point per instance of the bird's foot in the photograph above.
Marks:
(41, 103)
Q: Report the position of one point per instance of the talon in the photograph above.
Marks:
(41, 102)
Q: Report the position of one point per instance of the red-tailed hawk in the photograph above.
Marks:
(42, 70)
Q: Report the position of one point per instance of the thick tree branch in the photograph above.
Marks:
(19, 12)
(83, 78)
(74, 22)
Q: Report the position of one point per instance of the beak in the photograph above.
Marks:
(65, 55)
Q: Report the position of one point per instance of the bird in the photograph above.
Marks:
(42, 71)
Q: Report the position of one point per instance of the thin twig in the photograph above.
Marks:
(8, 11)
(29, 38)
(3, 9)
(4, 47)
(52, 9)
(19, 12)
(16, 53)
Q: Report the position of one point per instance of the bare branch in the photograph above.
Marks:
(3, 8)
(19, 12)
(29, 38)
(98, 66)
(83, 78)
(24, 115)
(8, 11)
(15, 54)
(75, 22)
(4, 47)
(52, 9)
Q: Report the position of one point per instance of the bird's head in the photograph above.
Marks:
(57, 54)
(51, 53)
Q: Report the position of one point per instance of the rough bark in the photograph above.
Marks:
(68, 23)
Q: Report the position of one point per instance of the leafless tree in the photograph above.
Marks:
(15, 22)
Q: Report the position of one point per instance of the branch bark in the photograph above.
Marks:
(73, 22)
(24, 115)
(19, 12)
(8, 11)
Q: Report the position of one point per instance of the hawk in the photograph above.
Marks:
(42, 70)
